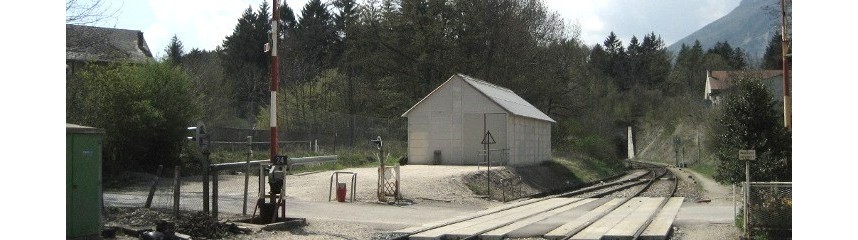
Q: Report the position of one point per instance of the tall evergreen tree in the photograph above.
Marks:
(175, 51)
(773, 59)
(735, 57)
(655, 61)
(315, 36)
(245, 63)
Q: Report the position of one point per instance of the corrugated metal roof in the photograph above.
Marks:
(507, 99)
(503, 97)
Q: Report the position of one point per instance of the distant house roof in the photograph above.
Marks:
(720, 80)
(86, 43)
(503, 97)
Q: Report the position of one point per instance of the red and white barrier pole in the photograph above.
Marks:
(274, 81)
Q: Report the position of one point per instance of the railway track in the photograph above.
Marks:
(570, 215)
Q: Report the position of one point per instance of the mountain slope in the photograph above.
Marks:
(749, 26)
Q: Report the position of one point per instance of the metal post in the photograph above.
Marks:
(785, 42)
(676, 143)
(747, 197)
(283, 194)
(274, 87)
(354, 186)
(381, 159)
(488, 164)
(261, 192)
(214, 194)
(247, 174)
(177, 184)
(698, 145)
(206, 183)
(274, 81)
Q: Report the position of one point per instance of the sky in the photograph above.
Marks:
(204, 24)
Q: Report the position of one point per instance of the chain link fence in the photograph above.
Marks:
(770, 210)
(769, 206)
(321, 132)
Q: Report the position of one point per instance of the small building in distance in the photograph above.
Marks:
(87, 44)
(720, 83)
(449, 125)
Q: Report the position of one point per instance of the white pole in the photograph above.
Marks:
(631, 144)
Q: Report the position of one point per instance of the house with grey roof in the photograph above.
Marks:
(88, 44)
(451, 125)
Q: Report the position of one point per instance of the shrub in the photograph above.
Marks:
(144, 110)
(750, 120)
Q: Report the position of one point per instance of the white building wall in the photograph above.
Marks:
(437, 123)
(532, 141)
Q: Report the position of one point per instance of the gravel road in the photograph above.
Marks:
(430, 193)
(433, 193)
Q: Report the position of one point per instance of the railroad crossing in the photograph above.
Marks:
(605, 211)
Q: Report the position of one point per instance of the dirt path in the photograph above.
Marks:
(710, 218)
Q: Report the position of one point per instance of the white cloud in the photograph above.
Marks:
(584, 12)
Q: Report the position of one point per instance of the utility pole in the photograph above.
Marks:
(785, 46)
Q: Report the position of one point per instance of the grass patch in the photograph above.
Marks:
(584, 169)
(346, 158)
(557, 175)
(705, 169)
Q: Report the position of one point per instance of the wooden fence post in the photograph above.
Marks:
(214, 194)
(154, 186)
(177, 184)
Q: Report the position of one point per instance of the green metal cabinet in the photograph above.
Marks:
(83, 181)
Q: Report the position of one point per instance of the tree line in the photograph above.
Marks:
(379, 57)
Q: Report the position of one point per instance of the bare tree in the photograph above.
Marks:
(89, 12)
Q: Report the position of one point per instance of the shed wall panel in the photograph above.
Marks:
(440, 123)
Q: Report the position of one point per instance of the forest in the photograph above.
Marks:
(378, 58)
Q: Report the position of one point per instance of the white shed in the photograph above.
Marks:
(448, 125)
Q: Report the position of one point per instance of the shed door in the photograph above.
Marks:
(83, 186)
(473, 131)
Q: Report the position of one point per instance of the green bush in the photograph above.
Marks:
(144, 110)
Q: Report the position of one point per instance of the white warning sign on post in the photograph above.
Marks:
(748, 155)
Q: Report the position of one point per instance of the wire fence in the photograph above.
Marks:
(770, 210)
(182, 189)
(322, 132)
(232, 193)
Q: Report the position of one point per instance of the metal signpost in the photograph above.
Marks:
(379, 144)
(487, 140)
(747, 156)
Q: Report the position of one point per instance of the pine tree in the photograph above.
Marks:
(175, 51)
(773, 59)
(245, 64)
